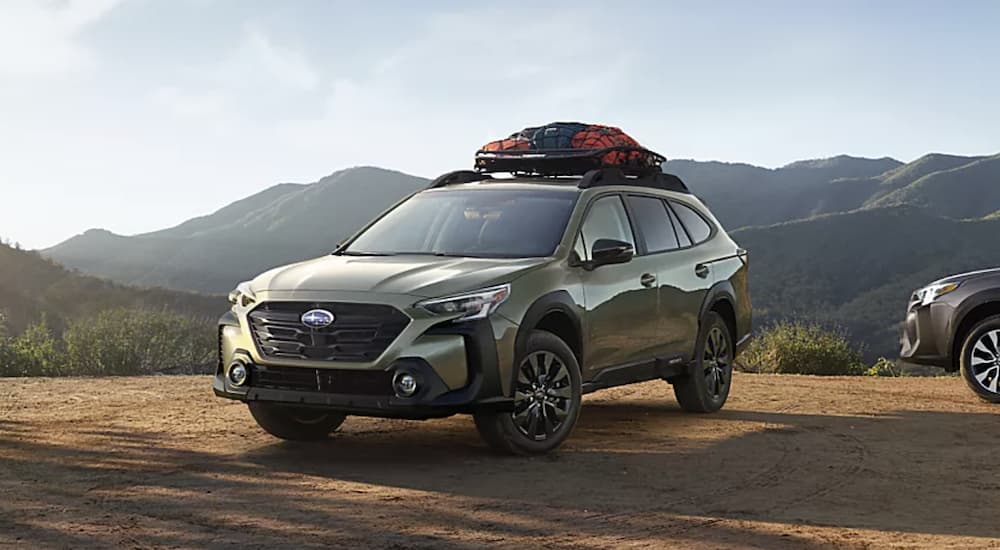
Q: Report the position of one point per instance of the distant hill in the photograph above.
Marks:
(857, 269)
(32, 286)
(742, 194)
(969, 190)
(212, 253)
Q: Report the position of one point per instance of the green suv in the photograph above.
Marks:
(505, 298)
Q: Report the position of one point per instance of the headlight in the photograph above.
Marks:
(472, 305)
(930, 293)
(242, 295)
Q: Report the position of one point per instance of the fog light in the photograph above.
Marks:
(405, 384)
(238, 374)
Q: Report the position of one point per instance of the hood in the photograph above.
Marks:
(421, 276)
(968, 275)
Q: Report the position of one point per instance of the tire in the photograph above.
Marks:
(980, 359)
(547, 395)
(706, 388)
(295, 423)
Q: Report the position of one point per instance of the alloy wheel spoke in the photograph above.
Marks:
(981, 377)
(548, 425)
(988, 341)
(978, 359)
(564, 392)
(980, 352)
(560, 375)
(534, 369)
(533, 422)
(561, 410)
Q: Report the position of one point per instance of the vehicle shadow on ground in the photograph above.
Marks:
(791, 469)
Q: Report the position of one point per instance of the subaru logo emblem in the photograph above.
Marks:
(317, 318)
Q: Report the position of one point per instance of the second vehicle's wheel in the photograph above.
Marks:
(706, 388)
(546, 400)
(980, 359)
(295, 423)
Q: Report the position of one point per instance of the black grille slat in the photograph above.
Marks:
(351, 382)
(360, 332)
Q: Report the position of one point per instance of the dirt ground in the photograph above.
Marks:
(792, 462)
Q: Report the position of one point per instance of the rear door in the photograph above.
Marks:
(668, 247)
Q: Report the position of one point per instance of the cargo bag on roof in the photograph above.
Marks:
(607, 145)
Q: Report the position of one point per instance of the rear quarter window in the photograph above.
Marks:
(697, 227)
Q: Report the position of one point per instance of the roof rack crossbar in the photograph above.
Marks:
(458, 176)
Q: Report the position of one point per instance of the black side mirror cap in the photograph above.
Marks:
(610, 251)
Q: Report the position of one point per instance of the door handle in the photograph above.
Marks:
(701, 270)
(647, 280)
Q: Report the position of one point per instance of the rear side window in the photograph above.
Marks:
(654, 223)
(605, 220)
(697, 228)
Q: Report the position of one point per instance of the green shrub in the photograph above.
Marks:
(34, 352)
(126, 341)
(883, 367)
(802, 348)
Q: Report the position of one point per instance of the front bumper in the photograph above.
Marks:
(925, 337)
(457, 365)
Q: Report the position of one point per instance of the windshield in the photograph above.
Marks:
(486, 223)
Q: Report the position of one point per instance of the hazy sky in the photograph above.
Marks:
(136, 115)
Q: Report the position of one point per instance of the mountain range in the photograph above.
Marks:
(842, 240)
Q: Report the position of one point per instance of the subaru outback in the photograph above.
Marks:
(954, 323)
(504, 298)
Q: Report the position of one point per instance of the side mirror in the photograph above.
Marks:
(611, 251)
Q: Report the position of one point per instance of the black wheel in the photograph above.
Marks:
(295, 423)
(980, 360)
(706, 388)
(546, 400)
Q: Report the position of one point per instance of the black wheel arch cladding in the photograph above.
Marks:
(559, 302)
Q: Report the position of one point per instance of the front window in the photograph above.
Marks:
(484, 223)
(605, 220)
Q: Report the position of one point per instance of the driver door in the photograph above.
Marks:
(621, 301)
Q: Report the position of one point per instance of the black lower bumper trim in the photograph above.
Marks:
(366, 405)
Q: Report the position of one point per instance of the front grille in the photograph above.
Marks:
(360, 332)
(354, 382)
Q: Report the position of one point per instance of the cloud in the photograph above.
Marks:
(260, 57)
(43, 38)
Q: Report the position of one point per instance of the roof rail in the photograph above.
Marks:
(614, 176)
(458, 176)
(632, 160)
